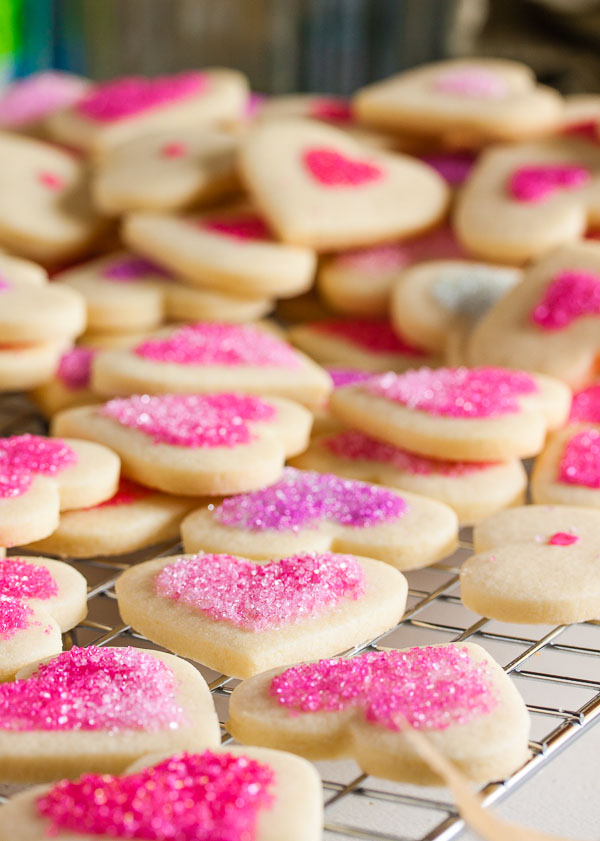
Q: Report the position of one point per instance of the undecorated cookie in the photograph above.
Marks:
(469, 414)
(96, 710)
(36, 313)
(456, 695)
(567, 472)
(240, 617)
(535, 564)
(194, 444)
(307, 511)
(472, 489)
(240, 793)
(25, 366)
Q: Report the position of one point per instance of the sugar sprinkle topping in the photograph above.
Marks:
(580, 461)
(569, 296)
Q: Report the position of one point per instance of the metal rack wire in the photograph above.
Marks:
(557, 670)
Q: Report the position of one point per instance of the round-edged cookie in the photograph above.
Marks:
(307, 511)
(457, 696)
(567, 471)
(25, 103)
(26, 634)
(69, 385)
(240, 617)
(39, 313)
(25, 366)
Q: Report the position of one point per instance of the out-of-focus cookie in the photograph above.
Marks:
(69, 385)
(567, 472)
(32, 313)
(319, 187)
(28, 365)
(25, 103)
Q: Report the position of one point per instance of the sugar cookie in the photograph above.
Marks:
(366, 344)
(249, 793)
(548, 323)
(170, 169)
(314, 512)
(26, 102)
(359, 282)
(26, 634)
(20, 271)
(474, 490)
(339, 193)
(467, 101)
(524, 200)
(567, 472)
(471, 414)
(239, 617)
(32, 313)
(585, 406)
(97, 710)
(119, 110)
(195, 445)
(323, 420)
(25, 366)
(535, 564)
(70, 383)
(229, 250)
(456, 695)
(134, 518)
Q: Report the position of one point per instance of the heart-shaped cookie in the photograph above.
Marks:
(241, 793)
(522, 201)
(195, 444)
(535, 564)
(550, 322)
(472, 489)
(26, 634)
(456, 695)
(471, 414)
(314, 512)
(567, 472)
(337, 193)
(239, 617)
(99, 709)
(208, 357)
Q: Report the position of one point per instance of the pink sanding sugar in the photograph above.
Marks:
(24, 456)
(191, 420)
(585, 407)
(302, 499)
(187, 797)
(94, 688)
(356, 446)
(439, 244)
(430, 688)
(332, 169)
(22, 580)
(220, 344)
(455, 392)
(127, 493)
(261, 597)
(569, 296)
(562, 538)
(580, 462)
(30, 100)
(376, 335)
(246, 226)
(347, 376)
(15, 616)
(538, 183)
(471, 81)
(331, 109)
(75, 368)
(126, 97)
(5, 286)
(132, 268)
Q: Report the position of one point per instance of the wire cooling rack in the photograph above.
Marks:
(556, 669)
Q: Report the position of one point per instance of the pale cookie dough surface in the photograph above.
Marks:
(339, 193)
(197, 471)
(40, 638)
(572, 454)
(28, 366)
(22, 271)
(488, 746)
(424, 532)
(91, 479)
(549, 322)
(69, 385)
(539, 565)
(30, 516)
(295, 813)
(239, 651)
(495, 225)
(39, 313)
(30, 756)
(472, 490)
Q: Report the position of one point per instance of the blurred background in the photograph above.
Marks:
(306, 45)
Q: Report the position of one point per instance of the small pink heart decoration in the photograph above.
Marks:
(332, 169)
(538, 183)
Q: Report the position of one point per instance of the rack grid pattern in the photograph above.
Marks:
(557, 669)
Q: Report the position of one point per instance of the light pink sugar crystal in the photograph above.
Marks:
(15, 615)
(562, 538)
(430, 688)
(331, 109)
(439, 244)
(376, 335)
(126, 97)
(260, 597)
(75, 367)
(127, 493)
(131, 269)
(29, 100)
(24, 456)
(471, 81)
(569, 296)
(22, 580)
(580, 462)
(188, 797)
(585, 407)
(302, 499)
(347, 376)
(356, 446)
(220, 344)
(94, 688)
(455, 392)
(538, 183)
(246, 226)
(333, 169)
(191, 420)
